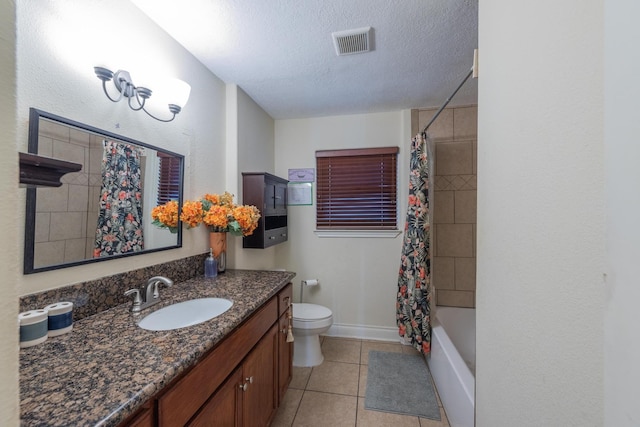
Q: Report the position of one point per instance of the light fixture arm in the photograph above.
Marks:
(126, 89)
(106, 75)
(170, 109)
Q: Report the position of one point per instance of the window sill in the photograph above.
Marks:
(387, 234)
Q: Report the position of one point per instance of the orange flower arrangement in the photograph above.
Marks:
(192, 213)
(166, 216)
(219, 214)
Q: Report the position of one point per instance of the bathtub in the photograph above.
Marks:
(452, 362)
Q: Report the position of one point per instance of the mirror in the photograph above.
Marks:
(103, 211)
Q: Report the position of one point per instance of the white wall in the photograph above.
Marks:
(59, 42)
(622, 152)
(9, 216)
(358, 275)
(540, 234)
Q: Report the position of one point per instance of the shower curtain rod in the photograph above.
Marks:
(472, 72)
(433, 119)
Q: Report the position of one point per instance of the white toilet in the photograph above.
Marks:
(309, 321)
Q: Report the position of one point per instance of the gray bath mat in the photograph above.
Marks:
(401, 384)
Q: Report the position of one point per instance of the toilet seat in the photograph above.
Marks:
(304, 312)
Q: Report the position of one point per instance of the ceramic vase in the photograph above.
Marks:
(218, 243)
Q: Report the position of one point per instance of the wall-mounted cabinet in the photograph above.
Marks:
(269, 194)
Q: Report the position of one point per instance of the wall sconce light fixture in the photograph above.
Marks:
(126, 89)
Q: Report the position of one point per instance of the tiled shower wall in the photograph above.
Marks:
(453, 220)
(66, 216)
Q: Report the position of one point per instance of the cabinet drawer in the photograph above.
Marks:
(275, 236)
(285, 297)
(184, 398)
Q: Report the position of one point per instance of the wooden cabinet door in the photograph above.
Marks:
(260, 374)
(224, 408)
(285, 357)
(280, 198)
(269, 198)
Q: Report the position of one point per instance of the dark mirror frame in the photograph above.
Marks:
(29, 233)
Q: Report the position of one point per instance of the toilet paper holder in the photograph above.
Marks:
(307, 282)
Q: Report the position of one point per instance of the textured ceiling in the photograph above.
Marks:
(280, 52)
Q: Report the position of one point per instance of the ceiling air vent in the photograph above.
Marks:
(352, 41)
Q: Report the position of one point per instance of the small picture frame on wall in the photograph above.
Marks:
(299, 194)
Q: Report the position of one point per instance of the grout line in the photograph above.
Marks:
(332, 393)
(297, 409)
(306, 383)
(355, 422)
(342, 361)
(358, 387)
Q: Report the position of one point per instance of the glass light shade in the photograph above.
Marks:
(178, 92)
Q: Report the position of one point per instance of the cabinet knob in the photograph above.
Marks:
(284, 331)
(243, 387)
(272, 237)
(250, 379)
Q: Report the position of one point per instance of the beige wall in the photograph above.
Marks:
(358, 275)
(254, 138)
(10, 217)
(454, 136)
(622, 175)
(540, 239)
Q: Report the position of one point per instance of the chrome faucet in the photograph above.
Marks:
(149, 294)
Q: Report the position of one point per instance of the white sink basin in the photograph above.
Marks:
(183, 314)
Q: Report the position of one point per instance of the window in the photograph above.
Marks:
(356, 189)
(169, 178)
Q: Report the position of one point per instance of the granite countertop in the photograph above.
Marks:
(107, 367)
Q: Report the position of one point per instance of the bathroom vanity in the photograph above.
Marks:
(231, 370)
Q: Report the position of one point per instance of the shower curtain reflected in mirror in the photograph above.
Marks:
(119, 227)
(414, 281)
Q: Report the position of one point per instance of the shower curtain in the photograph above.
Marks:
(120, 217)
(412, 305)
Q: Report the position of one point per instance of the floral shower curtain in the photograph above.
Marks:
(120, 218)
(412, 306)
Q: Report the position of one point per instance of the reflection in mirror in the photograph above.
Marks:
(104, 210)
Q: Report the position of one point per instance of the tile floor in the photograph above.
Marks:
(332, 394)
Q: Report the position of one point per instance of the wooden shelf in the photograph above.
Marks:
(40, 171)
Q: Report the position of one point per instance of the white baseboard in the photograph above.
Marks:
(377, 333)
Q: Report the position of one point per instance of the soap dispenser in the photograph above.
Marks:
(210, 265)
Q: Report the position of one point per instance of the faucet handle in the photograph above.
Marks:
(137, 299)
(156, 292)
(155, 281)
(161, 279)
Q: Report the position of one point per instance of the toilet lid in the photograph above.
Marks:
(309, 312)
